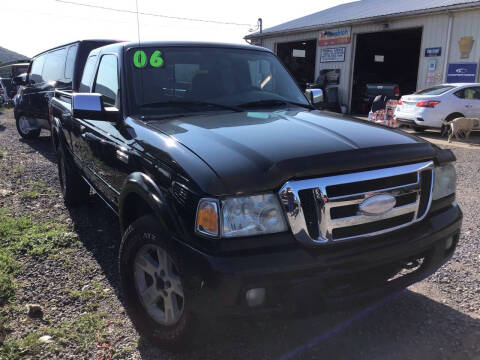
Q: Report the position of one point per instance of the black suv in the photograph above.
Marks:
(235, 195)
(57, 68)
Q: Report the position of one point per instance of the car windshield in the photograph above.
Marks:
(436, 90)
(174, 80)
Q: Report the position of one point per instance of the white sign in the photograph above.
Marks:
(332, 54)
(298, 53)
(379, 58)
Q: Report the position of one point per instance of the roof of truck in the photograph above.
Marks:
(107, 41)
(193, 44)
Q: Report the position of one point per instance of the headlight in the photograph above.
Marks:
(445, 180)
(252, 215)
(240, 216)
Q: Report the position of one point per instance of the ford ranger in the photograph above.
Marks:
(236, 196)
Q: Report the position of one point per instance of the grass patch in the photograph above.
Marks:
(3, 153)
(8, 268)
(23, 236)
(83, 332)
(94, 291)
(34, 190)
(18, 169)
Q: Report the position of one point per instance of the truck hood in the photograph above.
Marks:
(261, 150)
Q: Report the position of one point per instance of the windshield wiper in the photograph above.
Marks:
(274, 102)
(187, 104)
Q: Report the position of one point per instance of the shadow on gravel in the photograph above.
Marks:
(43, 145)
(408, 326)
(2, 127)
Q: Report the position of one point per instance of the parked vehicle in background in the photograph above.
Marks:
(58, 68)
(235, 195)
(10, 70)
(8, 90)
(430, 107)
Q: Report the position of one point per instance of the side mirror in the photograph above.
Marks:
(90, 106)
(20, 79)
(315, 96)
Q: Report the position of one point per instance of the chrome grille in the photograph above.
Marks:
(326, 210)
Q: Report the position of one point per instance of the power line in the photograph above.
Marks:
(153, 14)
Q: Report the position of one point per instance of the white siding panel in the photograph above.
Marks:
(465, 24)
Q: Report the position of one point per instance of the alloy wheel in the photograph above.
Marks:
(158, 285)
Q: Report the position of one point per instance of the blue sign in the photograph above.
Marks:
(434, 51)
(462, 73)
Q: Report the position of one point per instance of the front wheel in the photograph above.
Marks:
(152, 282)
(24, 128)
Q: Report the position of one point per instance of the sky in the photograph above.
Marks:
(36, 25)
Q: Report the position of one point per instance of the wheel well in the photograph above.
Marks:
(453, 116)
(134, 207)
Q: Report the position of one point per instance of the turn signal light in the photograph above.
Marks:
(428, 103)
(207, 217)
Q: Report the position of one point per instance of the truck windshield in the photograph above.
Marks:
(174, 80)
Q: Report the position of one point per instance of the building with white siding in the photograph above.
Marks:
(413, 43)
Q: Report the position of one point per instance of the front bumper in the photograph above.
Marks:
(322, 278)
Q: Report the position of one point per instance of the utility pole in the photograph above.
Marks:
(260, 26)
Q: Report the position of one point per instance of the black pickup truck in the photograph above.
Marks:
(58, 68)
(236, 196)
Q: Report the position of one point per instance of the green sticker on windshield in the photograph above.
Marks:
(156, 59)
(140, 59)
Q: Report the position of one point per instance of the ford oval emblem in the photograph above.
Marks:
(377, 204)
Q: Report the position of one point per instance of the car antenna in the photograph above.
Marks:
(141, 69)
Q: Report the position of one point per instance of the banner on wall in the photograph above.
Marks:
(462, 72)
(332, 54)
(334, 37)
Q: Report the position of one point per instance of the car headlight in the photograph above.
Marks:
(445, 180)
(241, 216)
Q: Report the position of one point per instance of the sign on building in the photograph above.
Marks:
(332, 54)
(462, 72)
(334, 37)
(433, 51)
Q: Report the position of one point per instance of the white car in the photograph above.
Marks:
(430, 107)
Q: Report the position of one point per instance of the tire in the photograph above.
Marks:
(23, 130)
(75, 190)
(449, 118)
(141, 245)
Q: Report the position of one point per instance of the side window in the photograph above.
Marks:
(54, 68)
(472, 93)
(107, 79)
(36, 70)
(88, 74)
(460, 94)
(70, 63)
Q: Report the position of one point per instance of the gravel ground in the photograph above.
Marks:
(438, 318)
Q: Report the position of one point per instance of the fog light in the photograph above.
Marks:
(255, 297)
(449, 243)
